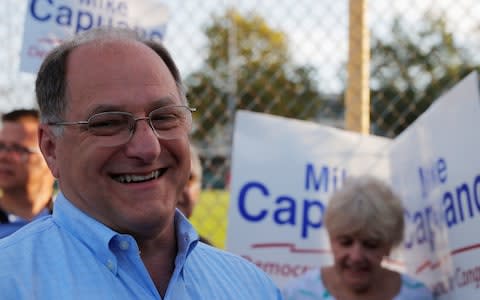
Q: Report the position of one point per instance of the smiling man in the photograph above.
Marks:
(115, 135)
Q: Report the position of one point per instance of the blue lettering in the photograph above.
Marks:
(457, 208)
(288, 211)
(430, 219)
(114, 15)
(463, 189)
(34, 12)
(442, 170)
(64, 16)
(156, 35)
(319, 208)
(109, 6)
(420, 230)
(424, 221)
(463, 195)
(242, 198)
(285, 212)
(317, 184)
(476, 193)
(432, 176)
(449, 209)
(108, 22)
(82, 17)
(122, 8)
(327, 178)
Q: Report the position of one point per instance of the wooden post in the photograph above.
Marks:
(357, 96)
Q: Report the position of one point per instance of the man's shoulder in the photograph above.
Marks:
(205, 250)
(234, 274)
(20, 251)
(32, 233)
(218, 260)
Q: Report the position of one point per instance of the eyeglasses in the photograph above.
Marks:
(117, 127)
(17, 152)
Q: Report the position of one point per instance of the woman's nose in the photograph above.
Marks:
(357, 251)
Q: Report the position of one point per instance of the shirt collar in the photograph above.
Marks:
(187, 236)
(84, 228)
(97, 236)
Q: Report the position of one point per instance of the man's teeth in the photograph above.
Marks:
(137, 178)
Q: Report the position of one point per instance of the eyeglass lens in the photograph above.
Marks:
(116, 128)
(16, 151)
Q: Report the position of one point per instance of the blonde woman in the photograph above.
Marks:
(364, 220)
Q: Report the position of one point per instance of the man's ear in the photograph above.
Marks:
(48, 143)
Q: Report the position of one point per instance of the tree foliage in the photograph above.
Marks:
(410, 70)
(248, 66)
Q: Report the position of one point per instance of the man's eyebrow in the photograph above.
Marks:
(105, 108)
(163, 101)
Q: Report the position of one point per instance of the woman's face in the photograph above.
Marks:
(357, 259)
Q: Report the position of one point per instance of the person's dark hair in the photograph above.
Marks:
(18, 114)
(51, 84)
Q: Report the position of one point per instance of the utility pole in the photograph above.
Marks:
(357, 97)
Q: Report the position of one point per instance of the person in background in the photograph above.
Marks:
(364, 220)
(193, 188)
(26, 182)
(114, 132)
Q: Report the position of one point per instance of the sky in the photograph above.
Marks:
(316, 30)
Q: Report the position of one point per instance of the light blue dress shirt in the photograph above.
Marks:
(17, 222)
(69, 255)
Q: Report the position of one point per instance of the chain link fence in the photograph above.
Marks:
(288, 58)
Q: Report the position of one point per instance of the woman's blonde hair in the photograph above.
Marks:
(367, 206)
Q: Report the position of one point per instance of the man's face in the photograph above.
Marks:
(127, 77)
(21, 163)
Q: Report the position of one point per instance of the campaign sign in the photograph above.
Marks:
(435, 167)
(49, 22)
(283, 172)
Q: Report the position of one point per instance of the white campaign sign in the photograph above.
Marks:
(435, 167)
(48, 23)
(283, 172)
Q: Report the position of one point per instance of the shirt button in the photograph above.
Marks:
(124, 245)
(110, 264)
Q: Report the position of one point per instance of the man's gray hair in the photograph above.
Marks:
(51, 83)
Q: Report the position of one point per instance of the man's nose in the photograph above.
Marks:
(144, 142)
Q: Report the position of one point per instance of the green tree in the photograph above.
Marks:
(248, 66)
(410, 70)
